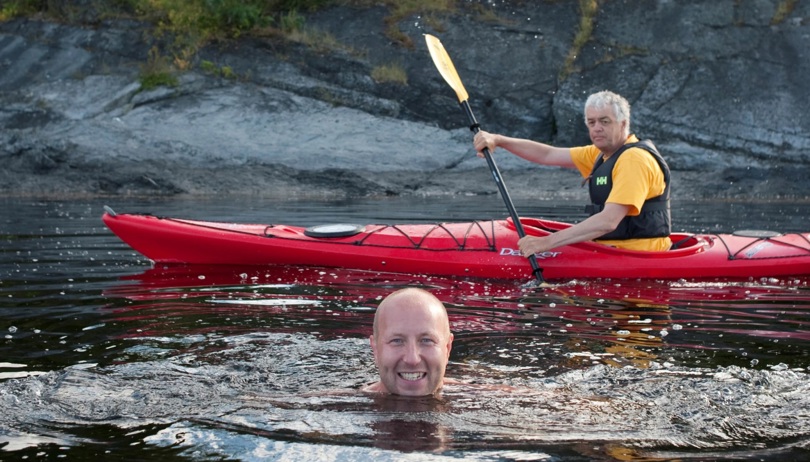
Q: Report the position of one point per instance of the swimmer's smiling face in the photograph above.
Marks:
(411, 344)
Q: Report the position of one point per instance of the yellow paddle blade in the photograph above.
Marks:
(445, 66)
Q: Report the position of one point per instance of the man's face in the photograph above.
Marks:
(411, 348)
(606, 133)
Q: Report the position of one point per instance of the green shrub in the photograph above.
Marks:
(204, 19)
(291, 21)
(160, 79)
(390, 73)
(220, 71)
(157, 72)
(588, 10)
(14, 8)
(209, 67)
(401, 9)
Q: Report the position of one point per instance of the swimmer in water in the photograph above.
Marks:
(411, 342)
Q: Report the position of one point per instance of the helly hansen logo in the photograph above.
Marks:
(601, 180)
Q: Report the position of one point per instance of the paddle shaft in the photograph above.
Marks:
(496, 174)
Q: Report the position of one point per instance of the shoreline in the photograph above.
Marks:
(522, 186)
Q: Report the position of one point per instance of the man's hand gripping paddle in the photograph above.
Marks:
(445, 66)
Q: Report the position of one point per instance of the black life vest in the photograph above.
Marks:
(654, 218)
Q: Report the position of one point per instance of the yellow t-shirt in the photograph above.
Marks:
(636, 178)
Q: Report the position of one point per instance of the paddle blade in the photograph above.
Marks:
(445, 66)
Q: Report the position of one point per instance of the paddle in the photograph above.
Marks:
(445, 66)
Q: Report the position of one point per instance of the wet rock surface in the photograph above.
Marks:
(719, 86)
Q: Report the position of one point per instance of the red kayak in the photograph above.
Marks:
(485, 249)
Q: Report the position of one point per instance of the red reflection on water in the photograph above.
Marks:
(333, 302)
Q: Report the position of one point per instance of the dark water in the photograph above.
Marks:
(103, 356)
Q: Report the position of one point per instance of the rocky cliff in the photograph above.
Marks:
(719, 85)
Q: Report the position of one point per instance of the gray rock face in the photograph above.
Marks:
(720, 86)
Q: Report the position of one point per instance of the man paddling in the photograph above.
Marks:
(411, 342)
(628, 180)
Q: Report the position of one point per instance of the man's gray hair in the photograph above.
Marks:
(603, 99)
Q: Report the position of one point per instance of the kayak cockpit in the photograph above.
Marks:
(682, 243)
